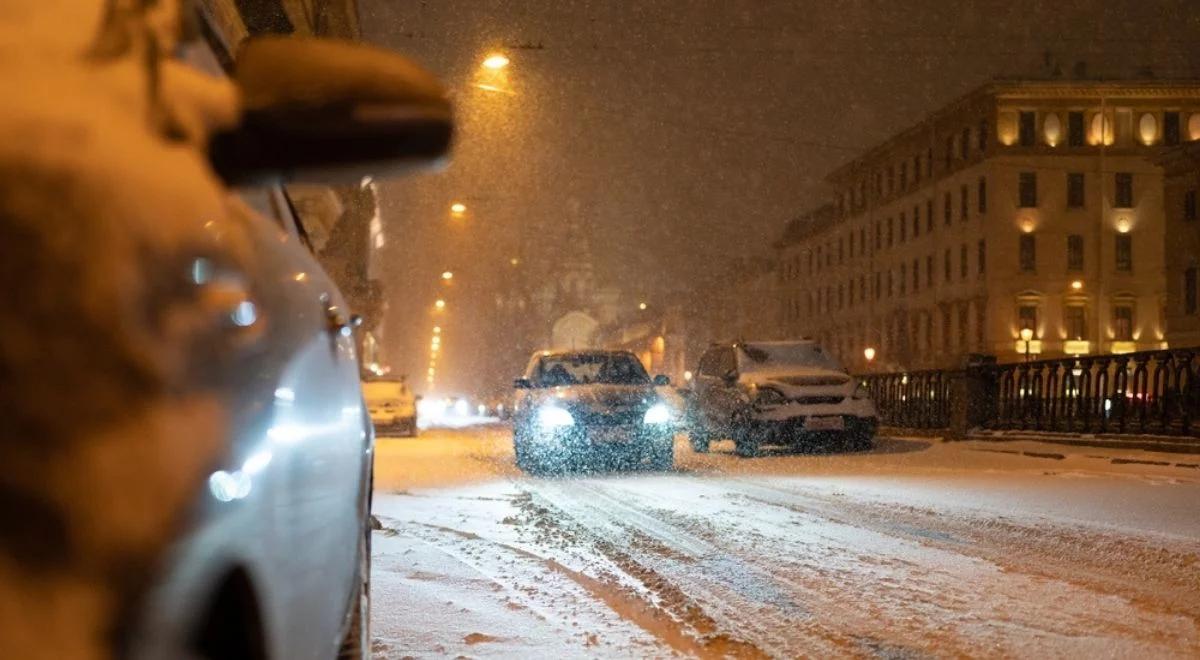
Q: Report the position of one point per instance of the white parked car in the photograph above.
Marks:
(392, 405)
(778, 393)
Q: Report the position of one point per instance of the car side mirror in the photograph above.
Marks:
(730, 377)
(662, 380)
(522, 384)
(325, 111)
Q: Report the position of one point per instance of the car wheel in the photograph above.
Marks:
(699, 438)
(527, 461)
(356, 644)
(861, 440)
(745, 441)
(662, 455)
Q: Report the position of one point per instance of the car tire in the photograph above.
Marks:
(527, 462)
(745, 441)
(699, 438)
(662, 455)
(356, 644)
(861, 440)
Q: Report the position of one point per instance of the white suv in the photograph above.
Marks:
(778, 393)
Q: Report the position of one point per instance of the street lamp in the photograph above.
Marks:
(1027, 337)
(440, 304)
(496, 61)
(448, 275)
(458, 209)
(869, 353)
(642, 306)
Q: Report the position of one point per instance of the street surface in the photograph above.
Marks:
(919, 548)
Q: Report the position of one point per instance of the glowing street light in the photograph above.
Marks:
(869, 353)
(448, 275)
(643, 306)
(437, 329)
(458, 209)
(440, 304)
(1027, 337)
(496, 62)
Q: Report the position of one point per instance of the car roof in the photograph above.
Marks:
(586, 351)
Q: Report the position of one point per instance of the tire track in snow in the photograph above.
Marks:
(745, 599)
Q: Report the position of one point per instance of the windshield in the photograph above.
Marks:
(589, 368)
(773, 357)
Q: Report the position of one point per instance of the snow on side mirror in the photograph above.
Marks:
(324, 111)
(662, 380)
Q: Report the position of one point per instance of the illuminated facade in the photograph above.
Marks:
(1182, 168)
(1022, 205)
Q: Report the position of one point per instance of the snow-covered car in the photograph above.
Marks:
(391, 405)
(208, 496)
(591, 409)
(777, 393)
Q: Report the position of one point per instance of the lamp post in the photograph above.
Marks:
(1027, 337)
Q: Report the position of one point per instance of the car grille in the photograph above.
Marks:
(814, 381)
(610, 418)
(819, 400)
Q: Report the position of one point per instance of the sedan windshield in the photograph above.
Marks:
(771, 357)
(587, 368)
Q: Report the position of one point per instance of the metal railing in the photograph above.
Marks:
(1152, 392)
(916, 399)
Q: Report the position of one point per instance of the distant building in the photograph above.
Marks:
(1181, 166)
(1024, 204)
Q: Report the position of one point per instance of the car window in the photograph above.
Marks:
(589, 368)
(768, 356)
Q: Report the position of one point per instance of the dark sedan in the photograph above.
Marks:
(591, 410)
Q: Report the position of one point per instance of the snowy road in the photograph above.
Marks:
(917, 549)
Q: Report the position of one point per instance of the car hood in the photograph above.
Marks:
(792, 381)
(600, 398)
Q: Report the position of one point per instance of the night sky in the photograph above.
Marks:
(683, 134)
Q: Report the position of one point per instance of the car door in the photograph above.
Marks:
(711, 388)
(316, 433)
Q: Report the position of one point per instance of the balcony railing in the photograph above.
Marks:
(1152, 392)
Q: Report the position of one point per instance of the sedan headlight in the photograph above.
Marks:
(769, 396)
(553, 417)
(658, 414)
(861, 391)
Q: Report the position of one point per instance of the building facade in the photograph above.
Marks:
(1024, 205)
(1181, 166)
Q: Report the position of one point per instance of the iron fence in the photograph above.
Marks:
(1152, 392)
(917, 399)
